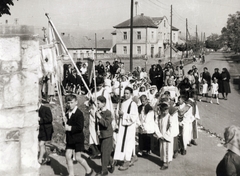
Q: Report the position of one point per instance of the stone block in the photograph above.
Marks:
(30, 89)
(31, 119)
(10, 49)
(12, 88)
(10, 158)
(29, 149)
(11, 118)
(20, 89)
(9, 67)
(30, 55)
(18, 118)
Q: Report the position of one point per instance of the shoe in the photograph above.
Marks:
(133, 160)
(48, 161)
(149, 152)
(189, 145)
(125, 166)
(94, 156)
(193, 142)
(175, 155)
(164, 168)
(112, 167)
(218, 103)
(184, 152)
(91, 173)
(51, 102)
(200, 100)
(139, 154)
(102, 174)
(211, 102)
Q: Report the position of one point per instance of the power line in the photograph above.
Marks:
(158, 5)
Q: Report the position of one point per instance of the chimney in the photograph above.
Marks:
(6, 21)
(142, 14)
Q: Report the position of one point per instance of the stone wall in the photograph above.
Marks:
(19, 66)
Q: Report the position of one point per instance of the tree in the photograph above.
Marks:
(4, 6)
(214, 42)
(231, 33)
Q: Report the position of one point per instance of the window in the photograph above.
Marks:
(164, 37)
(174, 36)
(124, 35)
(152, 34)
(164, 23)
(139, 35)
(124, 50)
(139, 50)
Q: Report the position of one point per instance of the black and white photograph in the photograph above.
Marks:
(119, 87)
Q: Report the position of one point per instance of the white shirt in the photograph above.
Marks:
(72, 112)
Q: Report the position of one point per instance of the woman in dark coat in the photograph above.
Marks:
(216, 74)
(230, 164)
(153, 72)
(224, 86)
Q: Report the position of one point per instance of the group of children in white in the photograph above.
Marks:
(138, 109)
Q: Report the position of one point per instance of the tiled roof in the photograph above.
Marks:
(157, 20)
(103, 43)
(174, 28)
(85, 43)
(114, 32)
(138, 21)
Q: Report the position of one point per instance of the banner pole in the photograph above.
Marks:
(65, 48)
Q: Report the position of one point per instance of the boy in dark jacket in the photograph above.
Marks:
(45, 132)
(75, 136)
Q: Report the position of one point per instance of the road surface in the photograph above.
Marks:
(200, 160)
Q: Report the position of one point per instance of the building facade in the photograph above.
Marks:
(151, 36)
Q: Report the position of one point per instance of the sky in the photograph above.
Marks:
(210, 16)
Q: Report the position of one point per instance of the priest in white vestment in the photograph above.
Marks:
(127, 114)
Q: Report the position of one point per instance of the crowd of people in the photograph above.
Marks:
(160, 104)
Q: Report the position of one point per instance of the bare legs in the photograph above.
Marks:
(80, 160)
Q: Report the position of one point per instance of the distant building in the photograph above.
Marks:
(83, 47)
(151, 36)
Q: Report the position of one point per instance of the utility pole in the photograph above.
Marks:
(196, 35)
(131, 38)
(171, 36)
(136, 4)
(96, 46)
(186, 38)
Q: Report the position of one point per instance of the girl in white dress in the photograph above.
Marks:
(204, 90)
(214, 90)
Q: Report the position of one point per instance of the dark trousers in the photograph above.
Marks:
(181, 146)
(145, 141)
(175, 144)
(106, 150)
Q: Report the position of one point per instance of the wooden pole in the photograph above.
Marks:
(131, 38)
(69, 55)
(171, 36)
(186, 38)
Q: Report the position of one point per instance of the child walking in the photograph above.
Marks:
(75, 136)
(104, 118)
(214, 90)
(204, 90)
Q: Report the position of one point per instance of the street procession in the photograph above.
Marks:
(151, 95)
